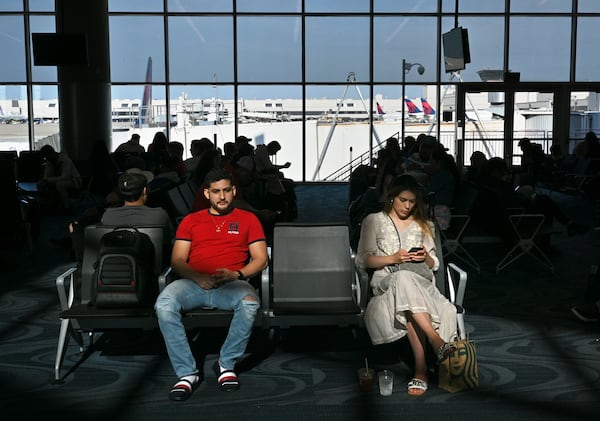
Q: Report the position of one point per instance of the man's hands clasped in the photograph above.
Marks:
(220, 277)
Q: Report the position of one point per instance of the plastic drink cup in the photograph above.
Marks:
(365, 379)
(386, 382)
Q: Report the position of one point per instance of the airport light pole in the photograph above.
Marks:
(405, 69)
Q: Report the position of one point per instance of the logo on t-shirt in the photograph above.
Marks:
(233, 228)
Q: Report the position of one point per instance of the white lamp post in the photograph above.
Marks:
(405, 69)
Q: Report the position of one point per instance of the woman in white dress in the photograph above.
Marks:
(397, 244)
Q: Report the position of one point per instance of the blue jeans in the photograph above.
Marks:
(183, 295)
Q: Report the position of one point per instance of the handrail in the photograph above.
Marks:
(343, 173)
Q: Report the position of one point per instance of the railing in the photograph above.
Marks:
(343, 173)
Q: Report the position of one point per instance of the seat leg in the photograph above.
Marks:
(541, 257)
(63, 340)
(507, 259)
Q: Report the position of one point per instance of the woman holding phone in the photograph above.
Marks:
(397, 244)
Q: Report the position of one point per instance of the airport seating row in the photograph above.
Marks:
(311, 280)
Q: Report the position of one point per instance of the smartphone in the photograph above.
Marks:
(415, 249)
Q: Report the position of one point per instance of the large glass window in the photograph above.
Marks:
(269, 49)
(412, 6)
(137, 42)
(202, 111)
(13, 117)
(45, 24)
(274, 112)
(336, 6)
(539, 49)
(13, 62)
(397, 41)
(587, 6)
(485, 41)
(473, 6)
(588, 40)
(11, 6)
(201, 49)
(537, 6)
(195, 6)
(268, 6)
(331, 78)
(135, 5)
(41, 5)
(45, 116)
(336, 46)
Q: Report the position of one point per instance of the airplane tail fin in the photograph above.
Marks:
(427, 108)
(412, 108)
(146, 107)
(380, 109)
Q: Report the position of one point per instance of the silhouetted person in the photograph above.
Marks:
(131, 146)
(60, 177)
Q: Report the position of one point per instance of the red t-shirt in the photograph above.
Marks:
(219, 241)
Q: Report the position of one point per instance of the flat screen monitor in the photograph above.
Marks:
(456, 49)
(60, 49)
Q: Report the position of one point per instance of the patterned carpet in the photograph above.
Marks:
(536, 361)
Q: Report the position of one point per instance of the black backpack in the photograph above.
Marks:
(124, 271)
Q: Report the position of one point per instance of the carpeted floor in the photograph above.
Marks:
(536, 361)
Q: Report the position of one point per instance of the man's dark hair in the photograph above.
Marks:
(217, 174)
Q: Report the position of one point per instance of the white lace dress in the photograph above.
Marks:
(403, 287)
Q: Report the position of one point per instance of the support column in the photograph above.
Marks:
(84, 91)
(562, 118)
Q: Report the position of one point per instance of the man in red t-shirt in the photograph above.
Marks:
(215, 251)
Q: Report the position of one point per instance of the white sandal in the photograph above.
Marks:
(418, 387)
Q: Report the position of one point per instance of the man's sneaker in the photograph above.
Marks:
(586, 312)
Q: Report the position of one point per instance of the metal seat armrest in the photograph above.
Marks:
(164, 278)
(362, 286)
(457, 294)
(65, 284)
(264, 290)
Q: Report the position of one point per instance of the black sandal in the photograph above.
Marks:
(226, 379)
(182, 390)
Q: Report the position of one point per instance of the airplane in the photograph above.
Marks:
(414, 112)
(382, 115)
(428, 110)
(146, 109)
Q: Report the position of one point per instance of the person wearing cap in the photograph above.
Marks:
(133, 188)
(131, 146)
(215, 251)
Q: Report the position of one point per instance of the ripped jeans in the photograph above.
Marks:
(184, 294)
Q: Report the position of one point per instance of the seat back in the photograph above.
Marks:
(92, 236)
(312, 269)
(451, 281)
(188, 193)
(177, 204)
(440, 275)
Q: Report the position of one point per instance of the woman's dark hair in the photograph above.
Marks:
(403, 183)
